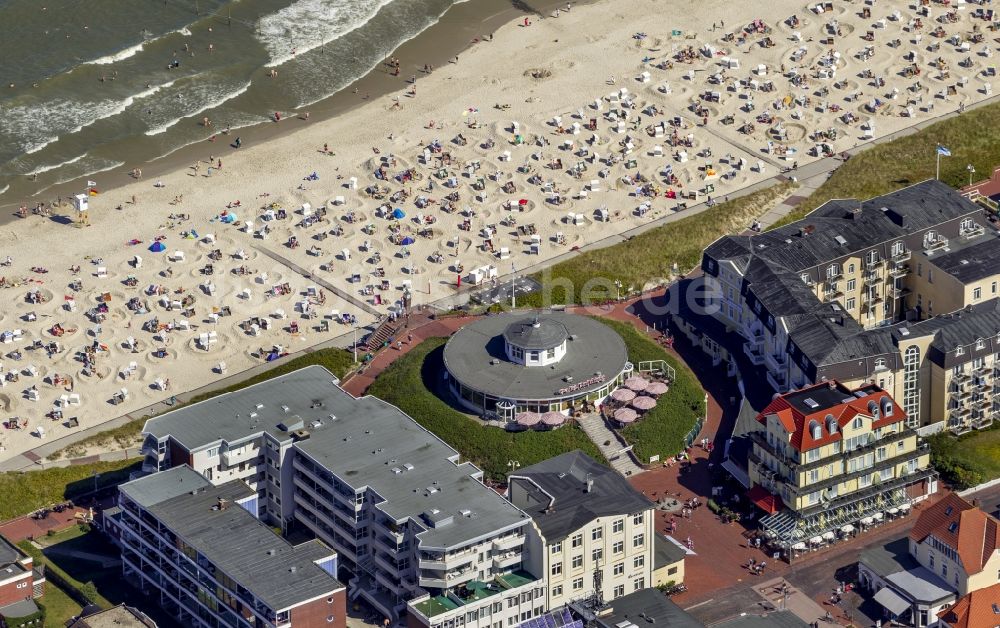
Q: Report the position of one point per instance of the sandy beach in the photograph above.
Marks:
(550, 135)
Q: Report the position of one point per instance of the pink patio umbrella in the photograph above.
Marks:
(623, 395)
(644, 403)
(553, 418)
(636, 383)
(625, 415)
(527, 419)
(657, 388)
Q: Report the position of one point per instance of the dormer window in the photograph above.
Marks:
(816, 430)
(887, 406)
(880, 364)
(959, 350)
(858, 423)
(980, 344)
(831, 424)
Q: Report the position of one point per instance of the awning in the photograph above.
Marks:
(891, 601)
(765, 500)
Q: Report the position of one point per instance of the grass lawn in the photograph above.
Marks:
(337, 361)
(408, 384)
(28, 491)
(63, 535)
(661, 431)
(59, 608)
(973, 138)
(646, 260)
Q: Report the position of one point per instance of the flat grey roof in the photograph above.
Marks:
(120, 616)
(970, 261)
(563, 478)
(666, 552)
(20, 608)
(376, 445)
(892, 562)
(249, 552)
(235, 416)
(593, 348)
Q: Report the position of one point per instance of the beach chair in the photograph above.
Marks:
(101, 273)
(645, 77)
(33, 395)
(352, 183)
(177, 256)
(159, 384)
(220, 368)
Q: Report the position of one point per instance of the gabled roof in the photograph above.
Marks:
(976, 609)
(799, 409)
(972, 533)
(555, 493)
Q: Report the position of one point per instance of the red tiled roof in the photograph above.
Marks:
(765, 499)
(797, 423)
(975, 609)
(972, 533)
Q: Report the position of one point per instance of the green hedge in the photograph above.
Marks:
(968, 460)
(408, 384)
(662, 430)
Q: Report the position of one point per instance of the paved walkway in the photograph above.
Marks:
(25, 527)
(607, 441)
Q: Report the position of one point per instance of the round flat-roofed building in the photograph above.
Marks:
(503, 365)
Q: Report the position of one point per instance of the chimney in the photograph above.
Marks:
(590, 483)
(223, 504)
(806, 230)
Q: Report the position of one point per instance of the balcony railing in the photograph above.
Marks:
(778, 381)
(901, 257)
(776, 361)
(754, 352)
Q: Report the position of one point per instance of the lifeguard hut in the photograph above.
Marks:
(82, 206)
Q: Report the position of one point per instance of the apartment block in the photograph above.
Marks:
(896, 290)
(413, 525)
(20, 582)
(592, 534)
(829, 459)
(201, 551)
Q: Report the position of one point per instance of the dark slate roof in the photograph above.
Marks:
(9, 554)
(860, 225)
(971, 262)
(242, 547)
(782, 292)
(563, 480)
(647, 603)
(666, 552)
(475, 356)
(539, 332)
(963, 327)
(779, 619)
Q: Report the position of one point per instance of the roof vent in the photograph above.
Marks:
(333, 417)
(284, 408)
(396, 470)
(271, 552)
(408, 466)
(809, 401)
(292, 569)
(466, 512)
(840, 240)
(494, 361)
(253, 415)
(259, 406)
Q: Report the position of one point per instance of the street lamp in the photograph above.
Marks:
(972, 171)
(97, 476)
(618, 285)
(513, 465)
(355, 325)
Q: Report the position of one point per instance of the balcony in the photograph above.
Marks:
(899, 271)
(937, 243)
(871, 277)
(899, 258)
(507, 559)
(973, 231)
(508, 542)
(754, 352)
(983, 422)
(233, 457)
(386, 563)
(778, 381)
(432, 582)
(776, 361)
(898, 293)
(832, 292)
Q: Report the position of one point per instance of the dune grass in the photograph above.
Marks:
(28, 491)
(647, 260)
(973, 138)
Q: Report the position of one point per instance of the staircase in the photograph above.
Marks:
(593, 425)
(385, 330)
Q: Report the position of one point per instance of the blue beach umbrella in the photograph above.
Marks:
(157, 247)
(407, 241)
(398, 214)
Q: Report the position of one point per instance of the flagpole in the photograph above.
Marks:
(937, 171)
(513, 286)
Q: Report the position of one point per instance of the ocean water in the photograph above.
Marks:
(87, 84)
